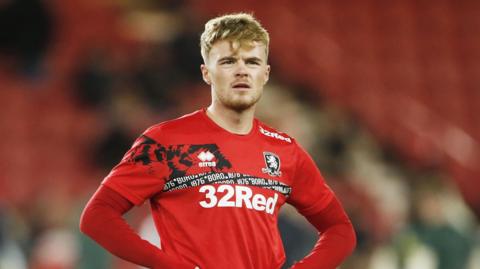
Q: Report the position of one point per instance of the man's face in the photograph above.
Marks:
(237, 73)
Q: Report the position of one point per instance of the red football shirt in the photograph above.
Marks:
(215, 196)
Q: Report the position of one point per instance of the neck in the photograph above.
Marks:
(237, 122)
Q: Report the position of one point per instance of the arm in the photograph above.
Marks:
(337, 238)
(102, 221)
(314, 199)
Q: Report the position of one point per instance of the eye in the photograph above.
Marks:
(254, 62)
(227, 61)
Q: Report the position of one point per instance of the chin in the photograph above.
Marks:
(241, 105)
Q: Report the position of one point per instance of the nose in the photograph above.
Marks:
(241, 70)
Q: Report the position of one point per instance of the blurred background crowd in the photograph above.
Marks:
(385, 95)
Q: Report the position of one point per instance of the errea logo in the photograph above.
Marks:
(275, 135)
(206, 158)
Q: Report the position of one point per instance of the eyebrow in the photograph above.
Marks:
(226, 58)
(256, 59)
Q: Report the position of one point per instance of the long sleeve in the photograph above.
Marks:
(102, 221)
(337, 238)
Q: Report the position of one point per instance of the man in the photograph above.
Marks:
(217, 178)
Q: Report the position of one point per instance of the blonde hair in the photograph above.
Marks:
(241, 27)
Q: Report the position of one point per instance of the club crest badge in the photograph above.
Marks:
(272, 162)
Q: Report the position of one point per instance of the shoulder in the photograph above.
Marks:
(283, 140)
(178, 125)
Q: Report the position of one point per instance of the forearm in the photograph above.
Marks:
(337, 239)
(102, 221)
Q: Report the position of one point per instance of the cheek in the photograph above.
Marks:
(219, 78)
(261, 78)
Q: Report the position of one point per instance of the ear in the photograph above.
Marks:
(205, 74)
(267, 74)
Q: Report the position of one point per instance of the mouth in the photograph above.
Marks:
(241, 85)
